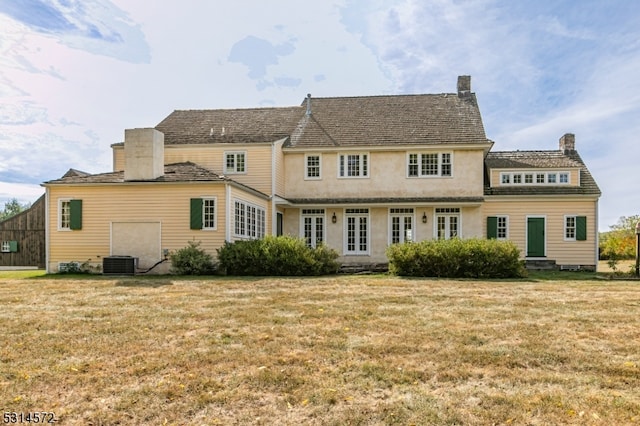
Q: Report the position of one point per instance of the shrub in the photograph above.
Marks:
(192, 260)
(277, 256)
(456, 258)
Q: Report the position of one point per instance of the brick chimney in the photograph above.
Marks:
(568, 143)
(143, 154)
(464, 86)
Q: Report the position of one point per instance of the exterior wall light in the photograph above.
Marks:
(334, 219)
(424, 217)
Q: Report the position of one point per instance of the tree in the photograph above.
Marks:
(620, 242)
(12, 208)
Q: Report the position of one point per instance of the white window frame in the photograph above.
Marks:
(403, 214)
(537, 178)
(313, 215)
(307, 168)
(6, 247)
(566, 227)
(234, 169)
(418, 164)
(364, 166)
(204, 213)
(357, 214)
(62, 226)
(249, 220)
(447, 213)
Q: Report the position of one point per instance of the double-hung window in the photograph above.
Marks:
(203, 213)
(250, 220)
(575, 228)
(70, 215)
(353, 165)
(429, 164)
(498, 227)
(235, 162)
(313, 226)
(312, 166)
(357, 231)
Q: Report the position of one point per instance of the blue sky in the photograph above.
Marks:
(75, 73)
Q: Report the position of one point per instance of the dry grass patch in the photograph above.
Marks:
(345, 350)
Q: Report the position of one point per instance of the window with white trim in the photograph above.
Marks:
(357, 231)
(250, 220)
(401, 225)
(235, 162)
(447, 222)
(312, 165)
(432, 164)
(65, 214)
(498, 227)
(6, 247)
(209, 213)
(313, 221)
(353, 165)
(575, 228)
(538, 178)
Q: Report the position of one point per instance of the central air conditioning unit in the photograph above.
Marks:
(119, 265)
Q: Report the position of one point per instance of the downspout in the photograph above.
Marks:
(47, 229)
(273, 188)
(597, 238)
(227, 228)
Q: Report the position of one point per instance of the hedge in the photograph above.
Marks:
(276, 256)
(456, 258)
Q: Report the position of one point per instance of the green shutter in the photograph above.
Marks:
(581, 228)
(75, 211)
(492, 227)
(13, 246)
(196, 213)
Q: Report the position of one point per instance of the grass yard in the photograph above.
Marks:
(359, 350)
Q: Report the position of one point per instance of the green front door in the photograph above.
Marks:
(535, 237)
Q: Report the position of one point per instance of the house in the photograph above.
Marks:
(22, 237)
(354, 173)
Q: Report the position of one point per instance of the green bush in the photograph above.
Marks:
(276, 256)
(192, 260)
(456, 258)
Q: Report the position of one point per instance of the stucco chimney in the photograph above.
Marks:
(143, 154)
(464, 86)
(568, 143)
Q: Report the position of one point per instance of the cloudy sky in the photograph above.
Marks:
(75, 73)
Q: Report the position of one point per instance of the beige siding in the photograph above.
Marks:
(102, 205)
(574, 175)
(379, 228)
(280, 177)
(258, 161)
(554, 212)
(387, 177)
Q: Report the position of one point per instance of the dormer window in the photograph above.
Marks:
(537, 178)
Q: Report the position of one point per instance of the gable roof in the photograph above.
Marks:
(229, 125)
(338, 121)
(526, 160)
(390, 120)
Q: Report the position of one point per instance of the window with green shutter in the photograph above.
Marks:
(196, 213)
(581, 228)
(75, 210)
(492, 227)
